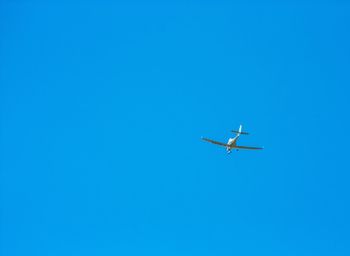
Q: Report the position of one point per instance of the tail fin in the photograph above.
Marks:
(240, 131)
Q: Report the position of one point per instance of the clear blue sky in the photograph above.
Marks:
(103, 106)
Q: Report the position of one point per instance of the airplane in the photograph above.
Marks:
(232, 142)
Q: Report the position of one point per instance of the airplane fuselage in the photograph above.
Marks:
(231, 143)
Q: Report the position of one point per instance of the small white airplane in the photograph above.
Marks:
(232, 142)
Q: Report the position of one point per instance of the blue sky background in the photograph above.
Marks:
(103, 106)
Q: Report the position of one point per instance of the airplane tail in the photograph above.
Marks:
(239, 132)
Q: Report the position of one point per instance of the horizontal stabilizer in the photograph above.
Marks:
(238, 132)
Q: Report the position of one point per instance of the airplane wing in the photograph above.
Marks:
(243, 147)
(215, 142)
